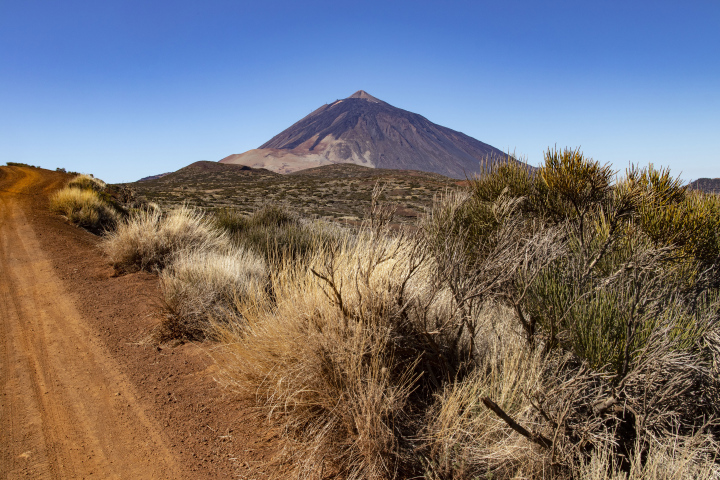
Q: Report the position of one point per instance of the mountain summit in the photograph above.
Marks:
(364, 130)
(365, 96)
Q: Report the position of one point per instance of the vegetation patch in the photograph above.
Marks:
(148, 240)
(275, 233)
(84, 203)
(553, 323)
(327, 193)
(202, 286)
(87, 182)
(558, 323)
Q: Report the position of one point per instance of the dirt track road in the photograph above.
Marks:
(66, 410)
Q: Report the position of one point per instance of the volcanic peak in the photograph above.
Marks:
(365, 96)
(366, 131)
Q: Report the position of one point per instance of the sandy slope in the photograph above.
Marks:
(66, 409)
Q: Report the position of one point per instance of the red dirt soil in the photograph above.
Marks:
(84, 395)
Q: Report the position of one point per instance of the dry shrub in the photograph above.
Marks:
(200, 285)
(148, 240)
(330, 359)
(616, 283)
(84, 208)
(463, 438)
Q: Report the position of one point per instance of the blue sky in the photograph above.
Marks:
(125, 89)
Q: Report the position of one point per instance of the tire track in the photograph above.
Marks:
(66, 409)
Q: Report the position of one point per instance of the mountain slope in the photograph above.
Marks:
(366, 131)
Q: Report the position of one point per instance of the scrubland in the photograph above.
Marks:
(552, 323)
(338, 193)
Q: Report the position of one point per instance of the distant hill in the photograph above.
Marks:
(205, 171)
(338, 192)
(708, 185)
(364, 130)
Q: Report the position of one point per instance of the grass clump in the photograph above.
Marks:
(86, 206)
(87, 182)
(200, 286)
(149, 239)
(202, 274)
(465, 439)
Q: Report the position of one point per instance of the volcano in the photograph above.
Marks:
(364, 130)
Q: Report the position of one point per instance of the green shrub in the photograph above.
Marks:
(275, 233)
(503, 175)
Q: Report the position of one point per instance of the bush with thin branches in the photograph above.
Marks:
(335, 354)
(623, 301)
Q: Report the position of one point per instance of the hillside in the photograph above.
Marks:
(334, 192)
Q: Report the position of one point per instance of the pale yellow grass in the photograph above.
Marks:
(200, 285)
(149, 239)
(83, 207)
(463, 436)
(85, 181)
(321, 356)
(673, 458)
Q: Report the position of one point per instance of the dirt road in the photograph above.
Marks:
(66, 410)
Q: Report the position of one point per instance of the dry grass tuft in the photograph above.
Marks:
(84, 208)
(675, 458)
(463, 438)
(87, 182)
(200, 285)
(148, 240)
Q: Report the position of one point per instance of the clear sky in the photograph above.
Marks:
(125, 89)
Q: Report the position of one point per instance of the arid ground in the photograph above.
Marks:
(338, 193)
(83, 395)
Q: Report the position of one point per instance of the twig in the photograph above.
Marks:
(533, 437)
